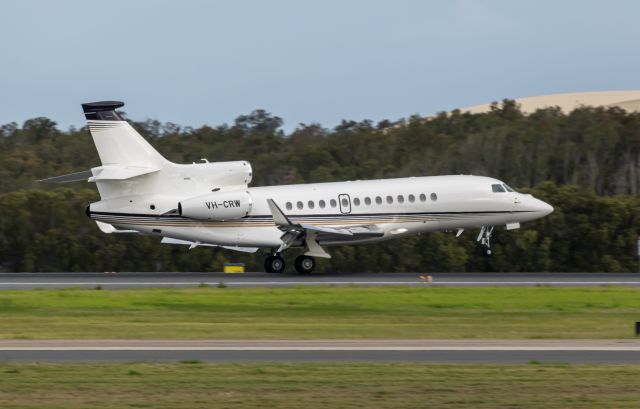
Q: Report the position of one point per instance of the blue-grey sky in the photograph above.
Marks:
(206, 62)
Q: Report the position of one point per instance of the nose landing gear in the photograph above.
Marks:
(485, 240)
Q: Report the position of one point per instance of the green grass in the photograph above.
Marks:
(317, 385)
(321, 312)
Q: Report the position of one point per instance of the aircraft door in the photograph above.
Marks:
(345, 203)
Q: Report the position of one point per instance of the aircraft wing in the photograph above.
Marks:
(327, 230)
(310, 234)
(344, 233)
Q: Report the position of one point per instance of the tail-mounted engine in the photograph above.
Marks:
(217, 206)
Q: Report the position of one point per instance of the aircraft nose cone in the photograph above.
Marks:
(544, 208)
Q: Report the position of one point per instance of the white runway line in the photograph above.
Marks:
(337, 348)
(275, 283)
(522, 345)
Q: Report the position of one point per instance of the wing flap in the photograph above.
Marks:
(194, 244)
(328, 230)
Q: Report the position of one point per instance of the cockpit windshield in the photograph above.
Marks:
(498, 188)
(501, 188)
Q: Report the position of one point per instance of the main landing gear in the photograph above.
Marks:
(485, 240)
(274, 263)
(305, 264)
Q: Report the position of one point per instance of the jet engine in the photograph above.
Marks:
(217, 205)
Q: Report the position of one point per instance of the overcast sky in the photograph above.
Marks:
(206, 62)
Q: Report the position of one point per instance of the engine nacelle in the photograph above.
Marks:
(217, 205)
(217, 174)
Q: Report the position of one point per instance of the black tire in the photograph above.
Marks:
(267, 264)
(305, 264)
(274, 264)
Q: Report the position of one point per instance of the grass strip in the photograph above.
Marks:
(317, 385)
(320, 312)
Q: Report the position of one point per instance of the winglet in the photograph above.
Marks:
(278, 216)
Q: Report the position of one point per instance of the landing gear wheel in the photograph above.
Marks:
(305, 264)
(485, 240)
(274, 264)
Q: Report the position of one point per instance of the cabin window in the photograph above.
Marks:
(423, 197)
(345, 202)
(356, 201)
(412, 198)
(389, 199)
(434, 197)
(367, 201)
(299, 205)
(378, 200)
(322, 204)
(400, 199)
(333, 203)
(509, 189)
(311, 204)
(497, 188)
(289, 206)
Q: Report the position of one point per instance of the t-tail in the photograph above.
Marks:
(135, 178)
(118, 144)
(124, 153)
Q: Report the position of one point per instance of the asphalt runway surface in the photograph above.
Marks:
(433, 351)
(113, 280)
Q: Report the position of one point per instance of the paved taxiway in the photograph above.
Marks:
(444, 351)
(164, 280)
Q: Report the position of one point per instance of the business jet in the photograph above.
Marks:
(211, 203)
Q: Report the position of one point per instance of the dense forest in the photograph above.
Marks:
(585, 163)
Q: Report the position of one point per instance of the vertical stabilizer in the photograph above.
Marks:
(116, 141)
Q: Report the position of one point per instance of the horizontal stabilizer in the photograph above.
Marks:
(108, 172)
(111, 172)
(108, 228)
(71, 177)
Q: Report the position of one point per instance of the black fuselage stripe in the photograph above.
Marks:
(326, 216)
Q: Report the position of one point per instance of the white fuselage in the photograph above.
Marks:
(212, 204)
(391, 208)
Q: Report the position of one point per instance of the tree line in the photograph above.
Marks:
(585, 163)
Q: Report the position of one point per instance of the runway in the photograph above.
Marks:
(168, 280)
(434, 351)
